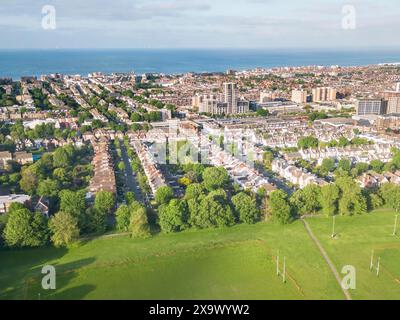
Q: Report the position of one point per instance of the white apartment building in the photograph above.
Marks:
(299, 96)
(231, 96)
(324, 94)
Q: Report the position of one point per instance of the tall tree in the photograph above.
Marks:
(306, 201)
(396, 158)
(104, 202)
(394, 198)
(246, 208)
(139, 225)
(29, 181)
(194, 191)
(95, 221)
(308, 142)
(387, 192)
(164, 195)
(215, 178)
(280, 208)
(329, 199)
(61, 175)
(311, 196)
(345, 165)
(360, 168)
(24, 229)
(328, 165)
(129, 198)
(268, 157)
(351, 201)
(3, 222)
(74, 203)
(48, 188)
(377, 166)
(64, 229)
(214, 212)
(61, 158)
(173, 216)
(375, 201)
(123, 218)
(194, 206)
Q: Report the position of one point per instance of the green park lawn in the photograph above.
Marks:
(356, 238)
(233, 263)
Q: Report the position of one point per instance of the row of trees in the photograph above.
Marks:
(22, 228)
(18, 133)
(345, 167)
(213, 203)
(344, 197)
(132, 218)
(152, 116)
(67, 168)
(207, 204)
(311, 142)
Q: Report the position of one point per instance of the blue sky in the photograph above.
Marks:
(199, 24)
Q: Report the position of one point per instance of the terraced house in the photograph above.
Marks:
(104, 177)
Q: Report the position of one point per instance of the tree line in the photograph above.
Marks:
(23, 228)
(211, 202)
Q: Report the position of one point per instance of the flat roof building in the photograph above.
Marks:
(6, 201)
(299, 96)
(324, 94)
(231, 96)
(366, 107)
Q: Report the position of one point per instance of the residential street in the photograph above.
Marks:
(131, 182)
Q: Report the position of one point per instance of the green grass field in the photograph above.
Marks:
(357, 237)
(234, 263)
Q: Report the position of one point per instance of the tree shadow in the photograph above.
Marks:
(75, 293)
(16, 267)
(65, 274)
(21, 275)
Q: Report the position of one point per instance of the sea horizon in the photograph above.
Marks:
(19, 62)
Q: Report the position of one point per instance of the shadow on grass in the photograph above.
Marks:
(21, 274)
(75, 293)
(65, 289)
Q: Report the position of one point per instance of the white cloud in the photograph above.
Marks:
(199, 23)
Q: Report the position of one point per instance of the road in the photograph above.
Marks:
(326, 257)
(278, 182)
(275, 180)
(131, 182)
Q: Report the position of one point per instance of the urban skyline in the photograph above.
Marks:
(183, 171)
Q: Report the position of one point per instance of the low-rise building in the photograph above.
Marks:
(43, 206)
(388, 121)
(154, 176)
(23, 158)
(5, 158)
(373, 180)
(6, 201)
(243, 174)
(356, 154)
(104, 177)
(295, 175)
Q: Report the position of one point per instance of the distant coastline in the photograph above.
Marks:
(16, 63)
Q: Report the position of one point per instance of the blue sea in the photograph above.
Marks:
(17, 63)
